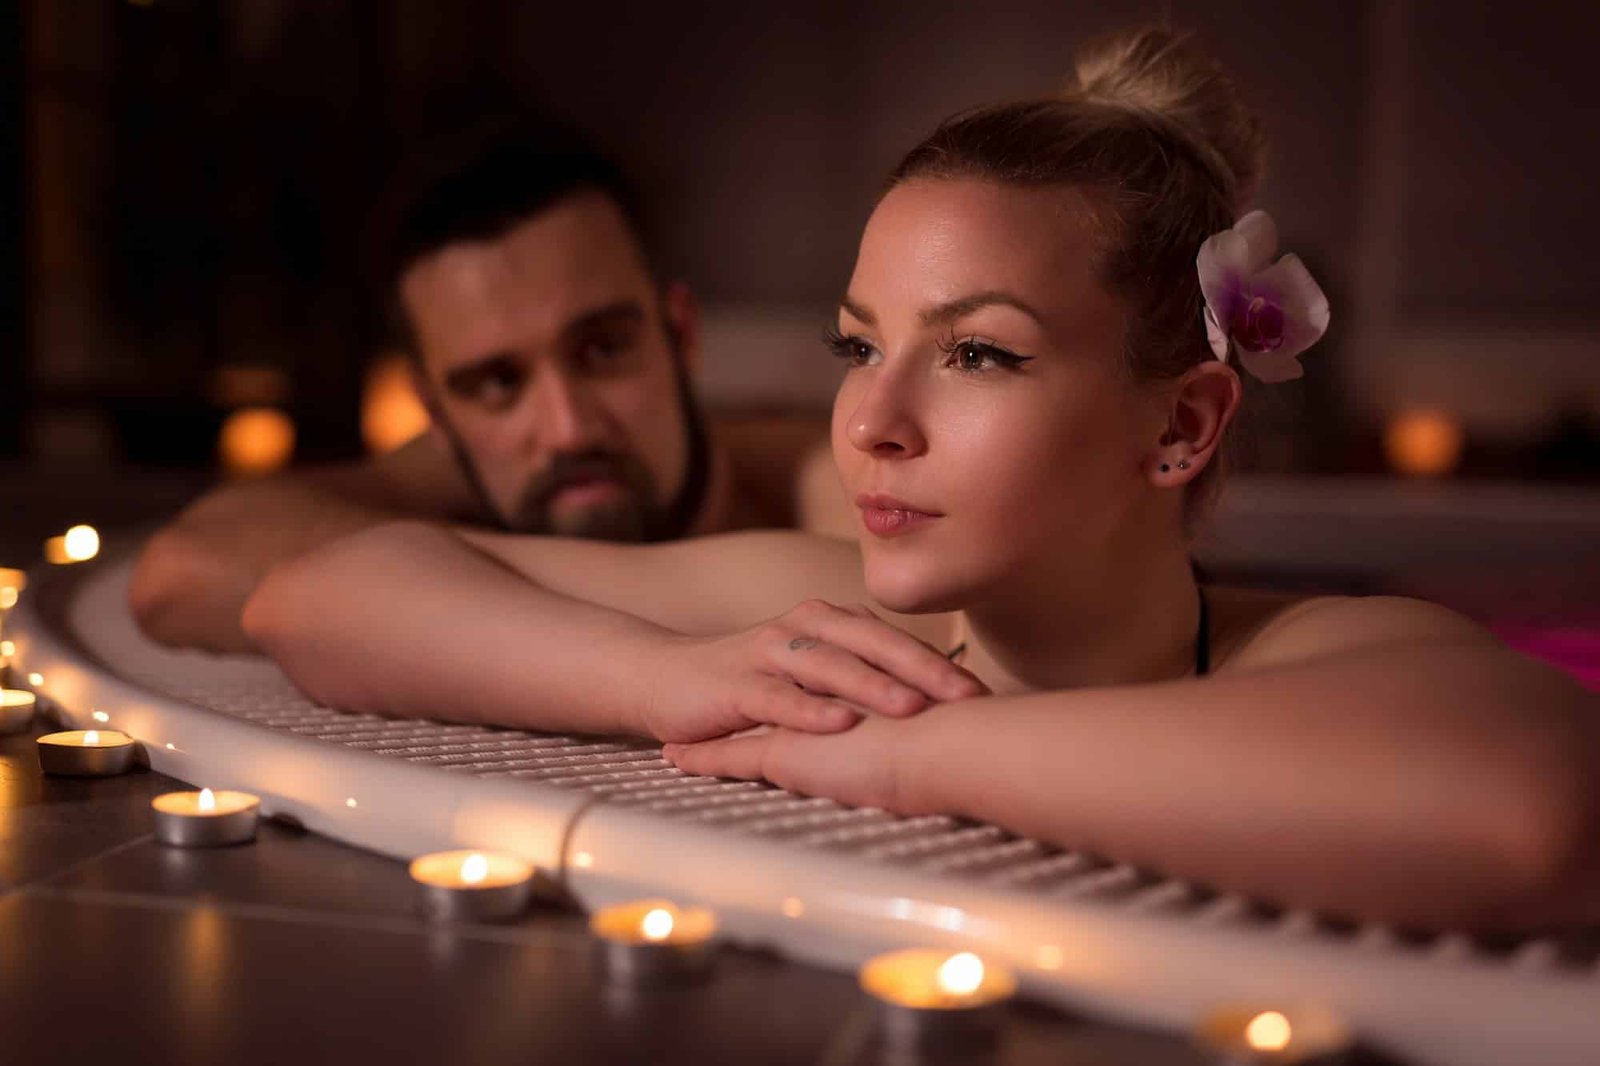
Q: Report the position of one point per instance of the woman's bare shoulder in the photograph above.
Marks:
(1256, 628)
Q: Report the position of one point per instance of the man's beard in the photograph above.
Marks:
(638, 516)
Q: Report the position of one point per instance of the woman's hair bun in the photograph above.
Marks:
(1165, 74)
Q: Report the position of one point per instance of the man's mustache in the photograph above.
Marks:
(567, 469)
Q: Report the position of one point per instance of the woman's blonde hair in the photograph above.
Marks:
(1156, 135)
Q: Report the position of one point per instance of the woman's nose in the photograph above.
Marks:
(885, 423)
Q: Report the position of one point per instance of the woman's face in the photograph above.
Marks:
(985, 428)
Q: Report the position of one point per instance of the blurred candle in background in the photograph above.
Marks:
(1423, 442)
(256, 441)
(391, 413)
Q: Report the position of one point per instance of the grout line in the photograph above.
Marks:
(44, 879)
(522, 935)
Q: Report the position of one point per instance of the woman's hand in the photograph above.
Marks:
(817, 668)
(865, 766)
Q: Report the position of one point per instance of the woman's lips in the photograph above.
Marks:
(885, 516)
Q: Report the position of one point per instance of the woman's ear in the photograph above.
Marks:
(1201, 407)
(681, 318)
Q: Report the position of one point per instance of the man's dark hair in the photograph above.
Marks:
(480, 182)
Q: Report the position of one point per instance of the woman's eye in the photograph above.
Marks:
(853, 350)
(975, 357)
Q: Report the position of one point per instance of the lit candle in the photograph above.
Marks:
(86, 753)
(16, 710)
(78, 544)
(1251, 1036)
(937, 998)
(206, 819)
(650, 938)
(12, 582)
(483, 886)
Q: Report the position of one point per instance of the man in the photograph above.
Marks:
(557, 371)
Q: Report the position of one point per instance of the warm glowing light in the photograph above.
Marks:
(36, 680)
(100, 716)
(1423, 443)
(7, 649)
(474, 868)
(208, 800)
(1048, 957)
(91, 738)
(82, 543)
(391, 413)
(255, 441)
(1267, 1031)
(583, 860)
(350, 802)
(8, 597)
(656, 925)
(961, 974)
(171, 748)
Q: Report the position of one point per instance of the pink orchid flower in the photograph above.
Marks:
(1269, 312)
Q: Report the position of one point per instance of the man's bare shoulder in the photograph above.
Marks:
(420, 477)
(1256, 628)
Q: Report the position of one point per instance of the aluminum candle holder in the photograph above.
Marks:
(473, 886)
(86, 753)
(206, 819)
(937, 999)
(653, 939)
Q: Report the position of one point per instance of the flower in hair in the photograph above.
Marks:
(1268, 312)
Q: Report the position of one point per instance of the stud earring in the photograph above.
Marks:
(1183, 464)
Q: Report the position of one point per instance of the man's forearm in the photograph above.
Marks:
(1442, 786)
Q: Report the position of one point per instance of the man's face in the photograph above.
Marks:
(549, 365)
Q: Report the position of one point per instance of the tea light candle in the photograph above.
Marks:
(1251, 1036)
(652, 938)
(206, 819)
(16, 710)
(467, 886)
(935, 997)
(86, 753)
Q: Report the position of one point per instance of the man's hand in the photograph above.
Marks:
(817, 668)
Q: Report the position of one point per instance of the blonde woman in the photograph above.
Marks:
(1040, 379)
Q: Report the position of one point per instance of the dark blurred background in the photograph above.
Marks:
(183, 226)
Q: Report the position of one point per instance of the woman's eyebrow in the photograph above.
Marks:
(856, 311)
(951, 310)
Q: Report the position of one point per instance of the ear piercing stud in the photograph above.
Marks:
(1183, 464)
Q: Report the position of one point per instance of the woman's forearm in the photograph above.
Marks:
(1439, 785)
(407, 619)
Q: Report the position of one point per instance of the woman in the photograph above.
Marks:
(1030, 426)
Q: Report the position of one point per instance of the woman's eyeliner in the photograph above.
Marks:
(857, 350)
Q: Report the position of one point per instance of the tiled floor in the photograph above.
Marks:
(296, 949)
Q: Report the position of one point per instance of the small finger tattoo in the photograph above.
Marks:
(802, 643)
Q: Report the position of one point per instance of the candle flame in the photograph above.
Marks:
(961, 974)
(7, 649)
(8, 597)
(82, 543)
(91, 737)
(208, 800)
(35, 680)
(100, 716)
(1267, 1031)
(474, 868)
(656, 925)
